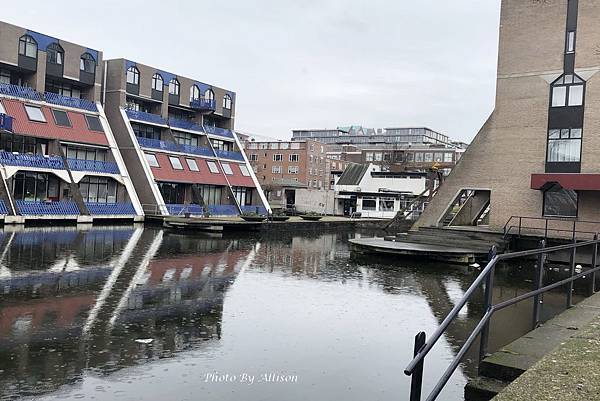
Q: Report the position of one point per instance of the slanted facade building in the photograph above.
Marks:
(537, 154)
(58, 156)
(177, 139)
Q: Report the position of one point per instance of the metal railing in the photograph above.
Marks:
(567, 228)
(96, 166)
(31, 160)
(423, 347)
(181, 209)
(228, 154)
(54, 98)
(174, 147)
(60, 208)
(6, 122)
(185, 124)
(203, 104)
(108, 209)
(209, 129)
(146, 117)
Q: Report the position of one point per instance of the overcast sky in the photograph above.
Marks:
(304, 63)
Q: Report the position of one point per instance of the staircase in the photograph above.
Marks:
(478, 240)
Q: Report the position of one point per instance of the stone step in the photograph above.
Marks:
(483, 388)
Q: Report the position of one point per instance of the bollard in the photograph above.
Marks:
(538, 282)
(416, 382)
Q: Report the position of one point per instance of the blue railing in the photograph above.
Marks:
(185, 124)
(254, 209)
(223, 210)
(147, 117)
(20, 91)
(60, 208)
(26, 160)
(227, 154)
(179, 209)
(54, 98)
(125, 208)
(74, 102)
(3, 209)
(196, 150)
(203, 104)
(158, 144)
(218, 131)
(6, 122)
(96, 166)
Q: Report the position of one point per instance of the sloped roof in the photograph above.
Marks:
(353, 174)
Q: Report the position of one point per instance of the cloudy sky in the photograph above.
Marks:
(304, 64)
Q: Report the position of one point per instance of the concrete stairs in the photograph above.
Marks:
(480, 241)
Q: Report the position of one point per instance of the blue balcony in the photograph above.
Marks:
(6, 122)
(3, 209)
(95, 166)
(185, 124)
(27, 160)
(20, 91)
(157, 144)
(179, 209)
(66, 101)
(226, 154)
(223, 210)
(196, 150)
(218, 131)
(108, 209)
(146, 117)
(203, 104)
(60, 208)
(254, 209)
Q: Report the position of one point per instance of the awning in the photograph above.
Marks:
(577, 182)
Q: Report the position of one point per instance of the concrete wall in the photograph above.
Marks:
(315, 200)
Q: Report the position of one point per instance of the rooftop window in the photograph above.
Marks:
(174, 87)
(133, 75)
(194, 93)
(27, 46)
(151, 159)
(87, 63)
(175, 162)
(61, 118)
(54, 54)
(94, 123)
(157, 82)
(34, 113)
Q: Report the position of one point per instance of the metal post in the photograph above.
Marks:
(416, 382)
(594, 264)
(546, 230)
(520, 219)
(571, 274)
(488, 301)
(538, 282)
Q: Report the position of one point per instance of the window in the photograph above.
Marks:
(294, 157)
(84, 153)
(369, 203)
(133, 75)
(209, 94)
(27, 46)
(428, 157)
(447, 157)
(146, 131)
(293, 170)
(263, 145)
(570, 42)
(438, 157)
(560, 203)
(63, 88)
(87, 63)
(61, 118)
(227, 168)
(192, 165)
(185, 138)
(174, 87)
(274, 145)
(276, 169)
(194, 93)
(54, 54)
(369, 156)
(568, 90)
(212, 166)
(564, 145)
(277, 157)
(151, 159)
(37, 187)
(94, 123)
(284, 145)
(227, 102)
(175, 162)
(157, 82)
(418, 157)
(4, 76)
(386, 204)
(98, 189)
(2, 111)
(244, 170)
(35, 113)
(253, 157)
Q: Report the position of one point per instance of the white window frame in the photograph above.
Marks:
(175, 163)
(212, 167)
(276, 170)
(192, 164)
(277, 157)
(227, 168)
(152, 160)
(41, 118)
(244, 170)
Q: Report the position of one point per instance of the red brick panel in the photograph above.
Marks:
(166, 172)
(237, 179)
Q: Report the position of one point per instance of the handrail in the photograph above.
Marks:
(574, 222)
(521, 228)
(422, 347)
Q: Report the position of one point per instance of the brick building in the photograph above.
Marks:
(536, 155)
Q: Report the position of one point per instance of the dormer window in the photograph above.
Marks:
(227, 102)
(157, 82)
(174, 87)
(87, 63)
(55, 54)
(133, 75)
(194, 93)
(568, 90)
(27, 46)
(209, 94)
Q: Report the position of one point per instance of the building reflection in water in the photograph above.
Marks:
(104, 299)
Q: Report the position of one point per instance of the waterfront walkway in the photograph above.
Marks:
(570, 372)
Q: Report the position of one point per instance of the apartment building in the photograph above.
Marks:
(176, 137)
(537, 154)
(58, 156)
(283, 166)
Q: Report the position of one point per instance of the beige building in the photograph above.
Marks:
(537, 154)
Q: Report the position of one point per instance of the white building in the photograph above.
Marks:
(367, 190)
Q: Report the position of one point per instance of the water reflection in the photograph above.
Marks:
(143, 313)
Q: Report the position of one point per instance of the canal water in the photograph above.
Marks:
(127, 313)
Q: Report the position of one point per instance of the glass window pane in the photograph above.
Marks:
(94, 123)
(176, 163)
(576, 95)
(561, 203)
(554, 134)
(35, 113)
(576, 133)
(192, 164)
(559, 96)
(227, 168)
(152, 160)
